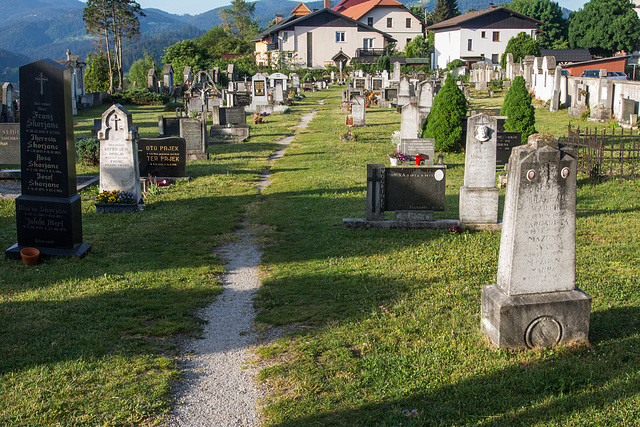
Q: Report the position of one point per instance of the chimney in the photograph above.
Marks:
(327, 4)
(278, 18)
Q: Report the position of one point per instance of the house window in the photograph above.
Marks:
(496, 36)
(484, 34)
(370, 21)
(367, 43)
(340, 36)
(408, 22)
(389, 22)
(285, 36)
(469, 44)
(408, 41)
(494, 58)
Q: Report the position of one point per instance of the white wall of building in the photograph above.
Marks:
(398, 29)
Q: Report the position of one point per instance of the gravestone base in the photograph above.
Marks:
(535, 320)
(413, 216)
(195, 155)
(79, 252)
(478, 205)
(394, 224)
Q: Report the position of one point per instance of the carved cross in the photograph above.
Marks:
(41, 79)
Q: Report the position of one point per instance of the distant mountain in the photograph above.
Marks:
(18, 10)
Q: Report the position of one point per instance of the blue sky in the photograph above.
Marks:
(194, 7)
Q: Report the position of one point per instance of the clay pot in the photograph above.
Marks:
(29, 256)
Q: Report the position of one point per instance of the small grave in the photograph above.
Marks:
(162, 158)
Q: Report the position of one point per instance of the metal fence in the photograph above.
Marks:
(607, 152)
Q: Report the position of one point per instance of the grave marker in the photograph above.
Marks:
(9, 143)
(162, 157)
(505, 143)
(419, 146)
(119, 168)
(535, 302)
(48, 213)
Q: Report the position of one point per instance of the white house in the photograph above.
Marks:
(313, 39)
(389, 16)
(478, 36)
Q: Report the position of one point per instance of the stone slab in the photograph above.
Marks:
(478, 205)
(535, 320)
(415, 188)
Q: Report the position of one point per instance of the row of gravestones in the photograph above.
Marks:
(535, 301)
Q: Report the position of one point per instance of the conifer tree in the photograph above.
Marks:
(445, 120)
(518, 109)
(445, 9)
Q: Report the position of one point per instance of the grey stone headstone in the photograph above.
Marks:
(119, 168)
(232, 116)
(410, 121)
(478, 196)
(423, 146)
(9, 143)
(193, 132)
(628, 108)
(278, 94)
(535, 302)
(358, 110)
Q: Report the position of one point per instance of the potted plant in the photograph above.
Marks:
(116, 201)
(397, 158)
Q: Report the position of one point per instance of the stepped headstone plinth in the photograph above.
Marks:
(48, 213)
(535, 302)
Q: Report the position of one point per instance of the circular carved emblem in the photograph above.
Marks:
(439, 175)
(545, 331)
(531, 174)
(565, 172)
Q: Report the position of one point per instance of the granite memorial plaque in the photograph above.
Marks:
(193, 133)
(414, 188)
(162, 157)
(48, 213)
(376, 84)
(169, 126)
(506, 141)
(423, 146)
(232, 116)
(9, 143)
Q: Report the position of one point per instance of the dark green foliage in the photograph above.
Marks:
(520, 46)
(88, 151)
(217, 42)
(237, 19)
(140, 69)
(455, 64)
(384, 63)
(518, 109)
(186, 52)
(445, 9)
(139, 96)
(96, 77)
(555, 27)
(605, 27)
(417, 48)
(445, 120)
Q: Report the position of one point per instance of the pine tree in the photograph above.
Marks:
(445, 9)
(518, 109)
(445, 120)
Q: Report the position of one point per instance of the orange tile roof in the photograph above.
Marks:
(359, 10)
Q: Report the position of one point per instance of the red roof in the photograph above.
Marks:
(357, 11)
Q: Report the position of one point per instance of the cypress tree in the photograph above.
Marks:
(445, 9)
(518, 109)
(445, 120)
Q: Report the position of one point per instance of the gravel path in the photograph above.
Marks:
(218, 387)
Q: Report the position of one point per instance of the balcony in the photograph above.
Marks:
(362, 53)
(272, 46)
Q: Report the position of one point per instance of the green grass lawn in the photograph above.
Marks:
(388, 321)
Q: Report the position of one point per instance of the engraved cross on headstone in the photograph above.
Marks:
(41, 79)
(116, 119)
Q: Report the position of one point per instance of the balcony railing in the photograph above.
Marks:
(370, 52)
(272, 46)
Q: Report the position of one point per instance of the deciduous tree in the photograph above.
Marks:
(555, 27)
(520, 46)
(605, 27)
(97, 75)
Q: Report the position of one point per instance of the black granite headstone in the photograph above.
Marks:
(48, 213)
(505, 142)
(162, 157)
(243, 99)
(377, 84)
(9, 143)
(171, 126)
(390, 94)
(414, 188)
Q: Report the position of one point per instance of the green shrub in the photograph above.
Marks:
(138, 96)
(446, 118)
(171, 106)
(88, 151)
(518, 109)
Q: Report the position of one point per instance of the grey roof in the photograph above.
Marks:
(567, 55)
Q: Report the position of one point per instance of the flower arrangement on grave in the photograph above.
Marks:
(399, 156)
(114, 197)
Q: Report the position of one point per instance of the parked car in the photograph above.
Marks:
(590, 73)
(617, 75)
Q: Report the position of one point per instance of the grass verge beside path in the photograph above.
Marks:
(90, 342)
(390, 320)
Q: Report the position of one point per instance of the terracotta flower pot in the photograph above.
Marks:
(29, 256)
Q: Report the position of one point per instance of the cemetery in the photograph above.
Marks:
(412, 294)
